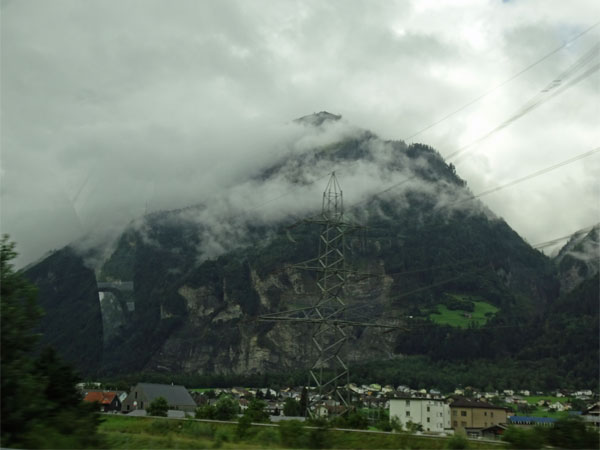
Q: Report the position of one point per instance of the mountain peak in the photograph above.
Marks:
(317, 119)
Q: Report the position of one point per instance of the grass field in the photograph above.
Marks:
(457, 318)
(549, 398)
(152, 433)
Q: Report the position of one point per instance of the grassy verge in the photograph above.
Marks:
(150, 433)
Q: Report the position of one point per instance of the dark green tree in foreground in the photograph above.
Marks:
(158, 407)
(41, 407)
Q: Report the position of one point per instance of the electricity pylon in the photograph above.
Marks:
(329, 371)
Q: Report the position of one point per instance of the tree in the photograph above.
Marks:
(291, 407)
(571, 432)
(206, 412)
(158, 407)
(41, 407)
(303, 401)
(523, 438)
(256, 411)
(225, 409)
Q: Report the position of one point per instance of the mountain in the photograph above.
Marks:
(183, 289)
(579, 259)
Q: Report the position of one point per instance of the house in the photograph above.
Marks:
(493, 432)
(107, 400)
(142, 394)
(592, 414)
(474, 414)
(433, 414)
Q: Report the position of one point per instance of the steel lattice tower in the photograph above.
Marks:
(329, 372)
(329, 335)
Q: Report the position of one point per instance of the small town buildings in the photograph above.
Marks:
(592, 414)
(472, 414)
(433, 414)
(107, 400)
(142, 394)
(531, 421)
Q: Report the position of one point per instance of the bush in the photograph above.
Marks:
(319, 438)
(292, 434)
(458, 441)
(243, 427)
(523, 438)
(291, 407)
(571, 432)
(206, 412)
(158, 407)
(267, 436)
(225, 409)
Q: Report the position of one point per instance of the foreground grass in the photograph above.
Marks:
(153, 433)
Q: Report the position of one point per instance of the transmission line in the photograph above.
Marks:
(508, 80)
(555, 85)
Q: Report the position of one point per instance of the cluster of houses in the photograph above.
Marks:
(426, 411)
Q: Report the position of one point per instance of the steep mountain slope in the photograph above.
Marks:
(433, 256)
(72, 322)
(579, 259)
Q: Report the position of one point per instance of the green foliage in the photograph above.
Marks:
(531, 438)
(292, 434)
(571, 432)
(256, 411)
(243, 426)
(458, 441)
(206, 412)
(225, 409)
(158, 407)
(567, 432)
(267, 436)
(354, 419)
(319, 437)
(463, 314)
(291, 407)
(41, 407)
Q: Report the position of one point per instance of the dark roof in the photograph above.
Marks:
(174, 394)
(414, 397)
(468, 403)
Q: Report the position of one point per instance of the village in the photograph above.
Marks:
(468, 410)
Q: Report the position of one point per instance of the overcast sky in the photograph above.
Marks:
(113, 108)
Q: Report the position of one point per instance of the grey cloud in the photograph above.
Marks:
(147, 105)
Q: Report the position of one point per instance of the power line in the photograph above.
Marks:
(549, 92)
(508, 80)
(531, 175)
(562, 238)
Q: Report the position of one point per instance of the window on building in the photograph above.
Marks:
(127, 407)
(407, 413)
(142, 405)
(492, 414)
(407, 402)
(136, 395)
(463, 424)
(428, 409)
(455, 423)
(428, 420)
(485, 413)
(463, 413)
